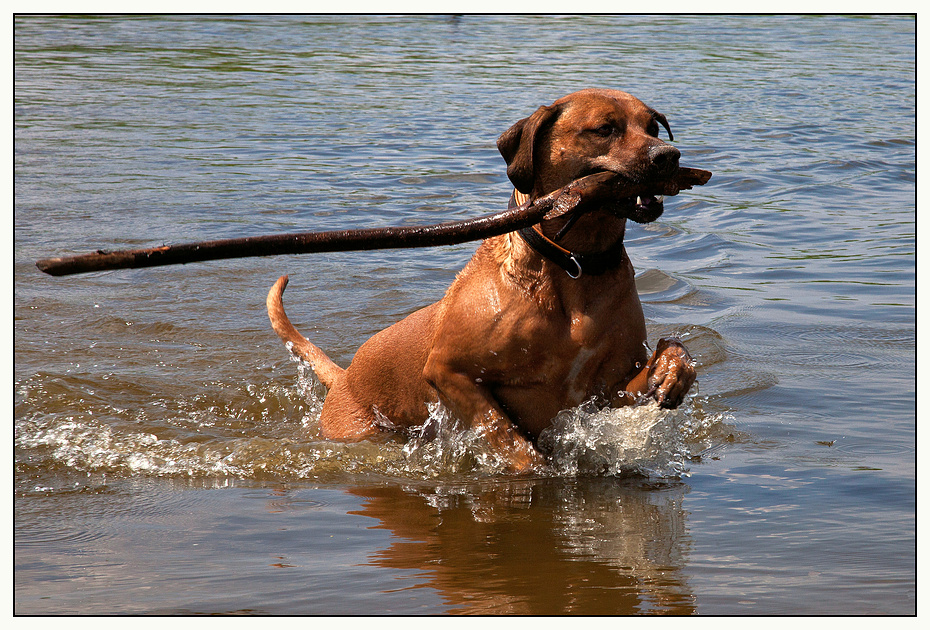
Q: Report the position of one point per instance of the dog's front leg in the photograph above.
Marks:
(667, 376)
(473, 403)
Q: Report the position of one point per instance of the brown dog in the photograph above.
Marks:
(530, 326)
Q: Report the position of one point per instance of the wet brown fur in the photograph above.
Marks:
(515, 340)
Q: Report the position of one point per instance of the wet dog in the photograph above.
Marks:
(539, 320)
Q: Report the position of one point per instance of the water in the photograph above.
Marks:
(165, 455)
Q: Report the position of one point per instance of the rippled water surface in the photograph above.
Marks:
(166, 456)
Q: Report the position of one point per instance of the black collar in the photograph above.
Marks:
(574, 264)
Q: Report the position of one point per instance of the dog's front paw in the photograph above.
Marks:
(514, 452)
(671, 373)
(523, 458)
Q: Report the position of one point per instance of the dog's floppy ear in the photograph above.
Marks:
(516, 145)
(662, 119)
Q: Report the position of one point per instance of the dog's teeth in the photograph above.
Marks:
(656, 199)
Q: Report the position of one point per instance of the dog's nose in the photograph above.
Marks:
(664, 157)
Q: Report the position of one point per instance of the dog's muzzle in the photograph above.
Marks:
(658, 171)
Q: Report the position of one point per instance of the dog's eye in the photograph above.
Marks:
(604, 130)
(653, 129)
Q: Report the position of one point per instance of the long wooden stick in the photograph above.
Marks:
(580, 192)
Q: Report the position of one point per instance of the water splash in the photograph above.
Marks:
(443, 446)
(309, 387)
(264, 429)
(643, 440)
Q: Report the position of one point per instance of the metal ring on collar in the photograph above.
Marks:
(577, 264)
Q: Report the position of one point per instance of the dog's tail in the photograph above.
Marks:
(322, 365)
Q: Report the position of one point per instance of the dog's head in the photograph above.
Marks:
(589, 132)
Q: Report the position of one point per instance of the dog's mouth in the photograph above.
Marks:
(649, 202)
(641, 208)
(611, 193)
